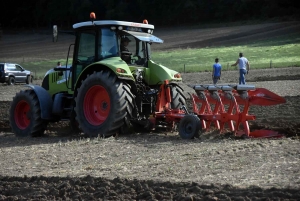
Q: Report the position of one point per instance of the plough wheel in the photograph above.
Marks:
(189, 127)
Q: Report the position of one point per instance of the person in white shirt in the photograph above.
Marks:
(244, 67)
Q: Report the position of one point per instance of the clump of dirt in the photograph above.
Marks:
(274, 78)
(288, 130)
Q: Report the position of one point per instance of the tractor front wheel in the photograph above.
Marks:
(101, 104)
(25, 115)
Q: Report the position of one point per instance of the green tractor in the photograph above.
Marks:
(112, 83)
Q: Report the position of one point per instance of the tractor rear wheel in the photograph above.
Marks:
(189, 127)
(178, 98)
(101, 104)
(25, 115)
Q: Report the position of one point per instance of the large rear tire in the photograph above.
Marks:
(25, 115)
(178, 98)
(102, 104)
(126, 128)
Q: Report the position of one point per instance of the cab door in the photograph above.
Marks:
(84, 52)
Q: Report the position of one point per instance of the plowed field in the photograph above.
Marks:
(157, 166)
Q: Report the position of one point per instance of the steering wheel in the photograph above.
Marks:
(138, 60)
(133, 61)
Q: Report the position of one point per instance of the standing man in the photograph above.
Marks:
(244, 67)
(217, 69)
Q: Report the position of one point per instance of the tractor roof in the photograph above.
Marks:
(114, 23)
(141, 31)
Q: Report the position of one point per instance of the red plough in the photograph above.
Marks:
(217, 105)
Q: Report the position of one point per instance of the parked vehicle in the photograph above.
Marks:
(12, 73)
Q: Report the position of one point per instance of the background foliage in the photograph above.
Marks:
(45, 13)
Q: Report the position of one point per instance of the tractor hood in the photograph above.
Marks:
(144, 36)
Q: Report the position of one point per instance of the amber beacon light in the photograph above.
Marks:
(92, 16)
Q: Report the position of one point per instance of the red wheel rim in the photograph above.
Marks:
(96, 105)
(21, 113)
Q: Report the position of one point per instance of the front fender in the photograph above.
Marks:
(45, 101)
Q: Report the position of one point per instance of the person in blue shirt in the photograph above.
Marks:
(217, 69)
(244, 67)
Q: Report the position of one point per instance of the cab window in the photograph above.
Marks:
(86, 49)
(108, 44)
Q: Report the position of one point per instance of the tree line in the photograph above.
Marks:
(64, 13)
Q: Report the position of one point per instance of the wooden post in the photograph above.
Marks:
(184, 68)
(55, 33)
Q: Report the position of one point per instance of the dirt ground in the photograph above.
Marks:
(158, 165)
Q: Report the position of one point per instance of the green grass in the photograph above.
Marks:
(40, 68)
(281, 51)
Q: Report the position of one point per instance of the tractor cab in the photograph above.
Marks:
(100, 42)
(135, 46)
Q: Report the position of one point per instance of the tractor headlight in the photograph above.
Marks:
(177, 75)
(121, 70)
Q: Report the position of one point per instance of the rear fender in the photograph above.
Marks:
(45, 101)
(111, 64)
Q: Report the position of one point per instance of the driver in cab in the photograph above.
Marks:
(125, 53)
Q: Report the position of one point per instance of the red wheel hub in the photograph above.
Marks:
(96, 105)
(22, 117)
